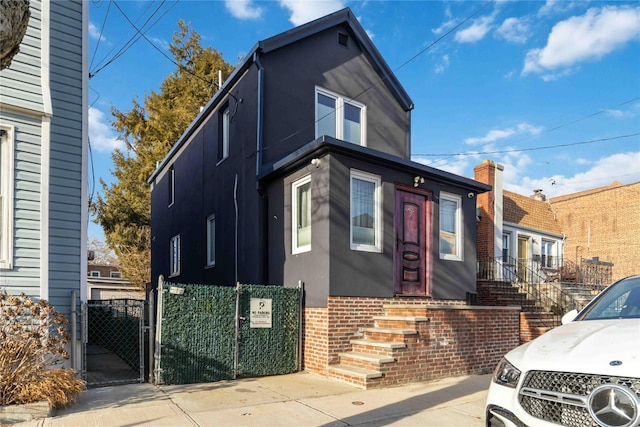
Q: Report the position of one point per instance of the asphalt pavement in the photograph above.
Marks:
(299, 399)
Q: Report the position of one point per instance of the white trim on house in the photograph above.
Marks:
(339, 113)
(295, 207)
(458, 254)
(84, 197)
(377, 211)
(7, 170)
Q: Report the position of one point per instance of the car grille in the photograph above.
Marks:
(561, 397)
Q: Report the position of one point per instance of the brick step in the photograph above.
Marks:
(405, 310)
(364, 360)
(379, 334)
(376, 347)
(399, 322)
(356, 376)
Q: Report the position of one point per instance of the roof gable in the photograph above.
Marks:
(528, 212)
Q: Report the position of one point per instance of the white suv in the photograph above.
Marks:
(585, 373)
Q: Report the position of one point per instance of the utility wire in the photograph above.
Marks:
(137, 34)
(104, 23)
(385, 77)
(546, 147)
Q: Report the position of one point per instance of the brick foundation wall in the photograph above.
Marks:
(458, 339)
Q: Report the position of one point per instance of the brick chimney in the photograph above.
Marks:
(489, 206)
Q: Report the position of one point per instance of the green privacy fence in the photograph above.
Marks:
(210, 333)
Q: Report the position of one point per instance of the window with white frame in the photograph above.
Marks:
(115, 274)
(506, 247)
(223, 146)
(172, 185)
(548, 250)
(174, 256)
(6, 197)
(301, 215)
(94, 273)
(366, 212)
(340, 117)
(211, 241)
(450, 227)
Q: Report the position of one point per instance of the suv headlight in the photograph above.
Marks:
(506, 374)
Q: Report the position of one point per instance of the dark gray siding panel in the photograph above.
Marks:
(320, 61)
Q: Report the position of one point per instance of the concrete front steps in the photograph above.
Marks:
(387, 353)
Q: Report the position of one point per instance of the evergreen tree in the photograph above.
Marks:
(149, 130)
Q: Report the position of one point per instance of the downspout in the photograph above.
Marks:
(263, 202)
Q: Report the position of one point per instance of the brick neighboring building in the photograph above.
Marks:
(603, 222)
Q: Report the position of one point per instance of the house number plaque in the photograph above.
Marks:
(260, 313)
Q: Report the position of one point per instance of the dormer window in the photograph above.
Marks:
(339, 117)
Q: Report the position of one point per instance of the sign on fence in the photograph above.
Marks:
(260, 313)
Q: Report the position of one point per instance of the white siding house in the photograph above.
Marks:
(43, 157)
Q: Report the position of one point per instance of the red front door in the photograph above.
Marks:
(412, 228)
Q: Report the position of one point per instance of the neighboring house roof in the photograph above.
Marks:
(528, 212)
(612, 186)
(344, 16)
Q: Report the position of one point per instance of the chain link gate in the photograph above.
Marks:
(113, 341)
(210, 333)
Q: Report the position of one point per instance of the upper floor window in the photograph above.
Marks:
(450, 227)
(94, 273)
(339, 117)
(366, 212)
(172, 185)
(211, 241)
(223, 145)
(174, 256)
(115, 274)
(301, 214)
(6, 197)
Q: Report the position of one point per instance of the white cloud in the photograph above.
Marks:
(244, 9)
(556, 7)
(620, 114)
(100, 133)
(443, 65)
(94, 33)
(623, 167)
(513, 30)
(582, 161)
(476, 31)
(591, 36)
(304, 11)
(446, 26)
(498, 134)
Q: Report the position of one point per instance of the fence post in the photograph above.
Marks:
(151, 306)
(158, 336)
(74, 330)
(300, 320)
(237, 343)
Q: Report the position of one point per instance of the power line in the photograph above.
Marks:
(137, 34)
(385, 77)
(475, 153)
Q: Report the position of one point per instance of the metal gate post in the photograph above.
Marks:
(151, 307)
(237, 346)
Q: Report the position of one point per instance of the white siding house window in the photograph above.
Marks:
(548, 259)
(366, 212)
(174, 256)
(301, 215)
(450, 227)
(211, 241)
(506, 247)
(339, 117)
(6, 197)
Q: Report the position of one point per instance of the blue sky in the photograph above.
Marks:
(515, 78)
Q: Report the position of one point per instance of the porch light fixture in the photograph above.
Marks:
(315, 162)
(417, 180)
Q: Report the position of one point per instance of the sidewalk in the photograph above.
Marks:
(299, 399)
